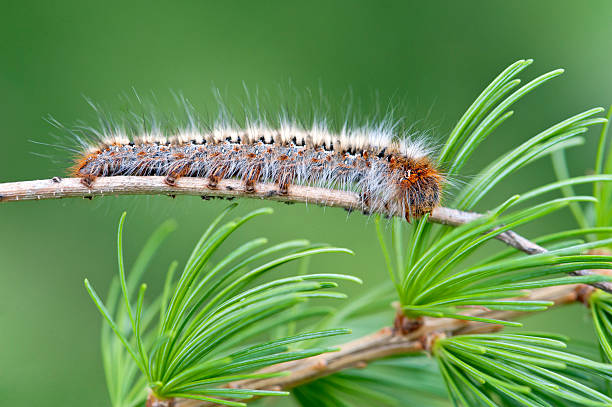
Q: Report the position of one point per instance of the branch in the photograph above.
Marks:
(56, 188)
(386, 342)
(358, 353)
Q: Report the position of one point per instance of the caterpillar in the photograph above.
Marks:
(390, 173)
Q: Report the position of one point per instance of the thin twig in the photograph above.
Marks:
(357, 353)
(386, 342)
(56, 188)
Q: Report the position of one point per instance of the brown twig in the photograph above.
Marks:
(56, 188)
(358, 353)
(388, 342)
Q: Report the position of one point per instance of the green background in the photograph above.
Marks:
(436, 56)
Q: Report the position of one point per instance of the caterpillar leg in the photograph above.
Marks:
(172, 177)
(176, 171)
(422, 198)
(88, 180)
(285, 178)
(251, 177)
(217, 175)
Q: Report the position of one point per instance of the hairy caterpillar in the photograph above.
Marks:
(389, 172)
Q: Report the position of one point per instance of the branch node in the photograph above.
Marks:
(402, 325)
(153, 401)
(386, 331)
(321, 364)
(429, 340)
(583, 293)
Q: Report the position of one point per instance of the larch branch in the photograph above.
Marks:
(386, 342)
(358, 353)
(56, 188)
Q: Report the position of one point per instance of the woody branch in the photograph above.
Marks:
(387, 342)
(56, 188)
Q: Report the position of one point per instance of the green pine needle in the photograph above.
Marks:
(430, 267)
(498, 370)
(438, 284)
(601, 311)
(405, 381)
(215, 323)
(209, 318)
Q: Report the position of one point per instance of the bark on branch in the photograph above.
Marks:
(387, 342)
(56, 188)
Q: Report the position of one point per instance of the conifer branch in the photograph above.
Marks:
(56, 188)
(387, 342)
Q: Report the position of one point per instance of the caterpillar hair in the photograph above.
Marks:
(391, 172)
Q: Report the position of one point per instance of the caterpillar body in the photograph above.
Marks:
(390, 174)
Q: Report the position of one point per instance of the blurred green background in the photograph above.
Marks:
(435, 55)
